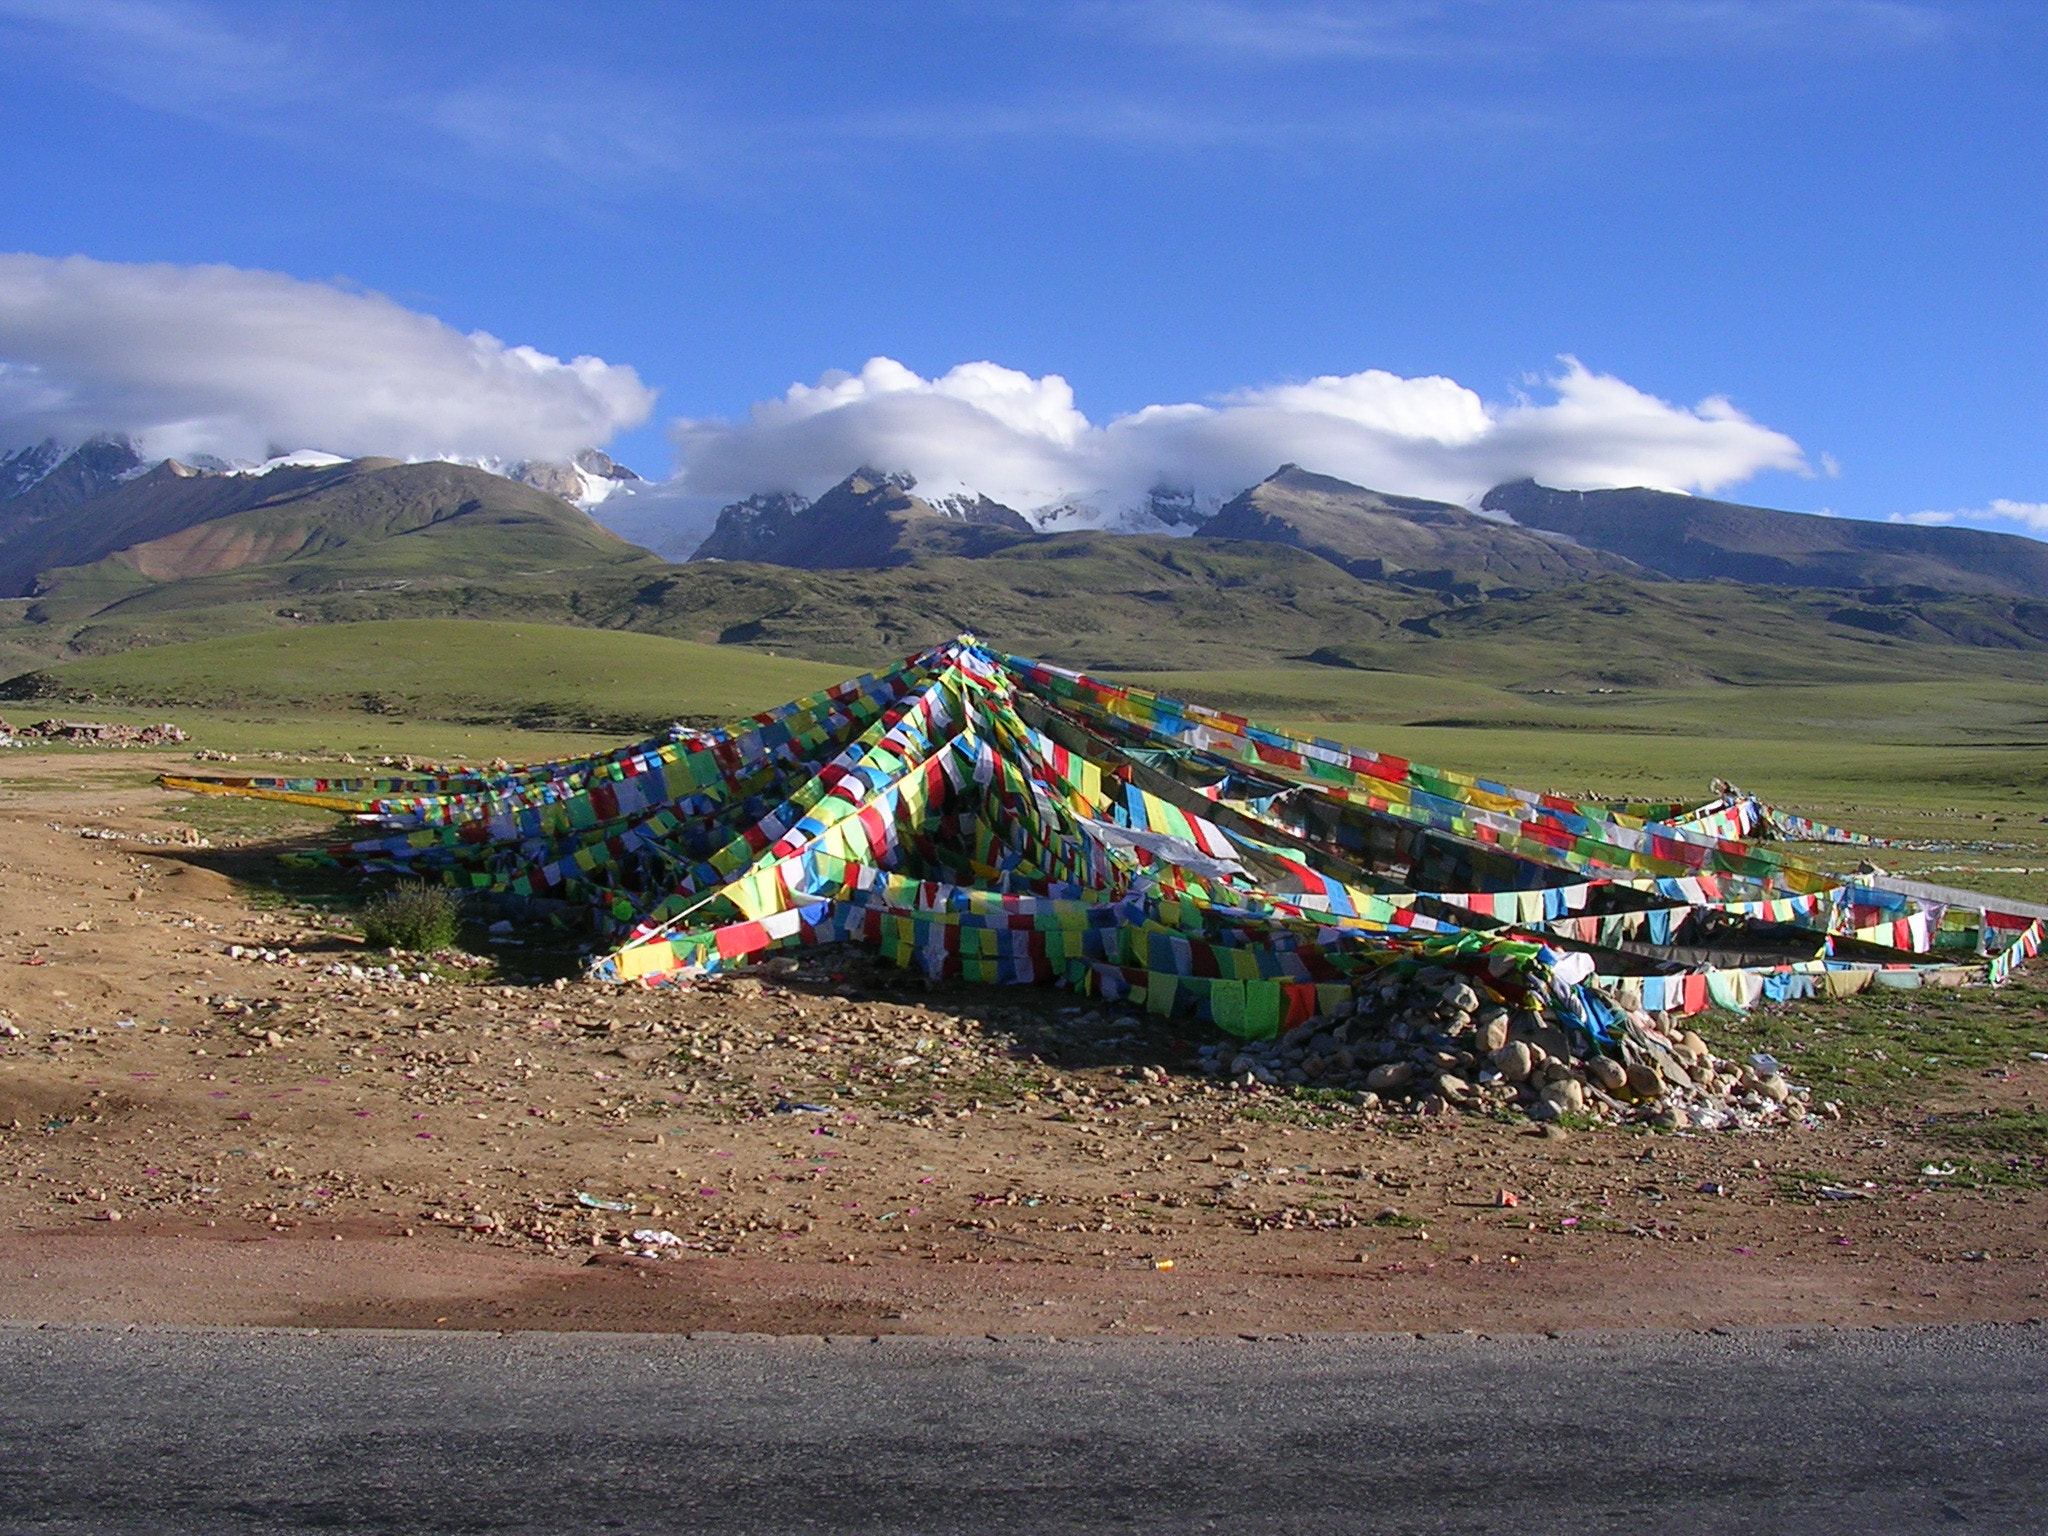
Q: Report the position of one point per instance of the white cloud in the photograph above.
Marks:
(236, 363)
(1293, 32)
(1023, 441)
(2029, 516)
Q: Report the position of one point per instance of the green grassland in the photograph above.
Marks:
(1962, 761)
(467, 672)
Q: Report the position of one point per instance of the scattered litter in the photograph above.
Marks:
(90, 733)
(599, 1203)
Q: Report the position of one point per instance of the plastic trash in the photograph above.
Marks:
(597, 1203)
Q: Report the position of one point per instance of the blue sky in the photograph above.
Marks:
(1830, 212)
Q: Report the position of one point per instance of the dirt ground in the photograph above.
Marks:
(302, 1134)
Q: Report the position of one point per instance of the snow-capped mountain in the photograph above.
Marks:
(587, 479)
(43, 478)
(1171, 510)
(1166, 509)
(75, 472)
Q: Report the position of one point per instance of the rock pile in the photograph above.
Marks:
(90, 733)
(1437, 1042)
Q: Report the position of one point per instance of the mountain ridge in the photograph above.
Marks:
(869, 520)
(1298, 567)
(1695, 538)
(1405, 539)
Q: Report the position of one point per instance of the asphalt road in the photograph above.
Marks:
(158, 1432)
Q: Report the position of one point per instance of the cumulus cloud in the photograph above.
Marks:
(1023, 441)
(219, 360)
(2028, 516)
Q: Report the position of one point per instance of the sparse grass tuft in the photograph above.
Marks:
(417, 917)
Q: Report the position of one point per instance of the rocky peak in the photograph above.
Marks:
(585, 477)
(1177, 506)
(64, 478)
(23, 468)
(751, 528)
(867, 480)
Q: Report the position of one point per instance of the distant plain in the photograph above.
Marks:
(1959, 760)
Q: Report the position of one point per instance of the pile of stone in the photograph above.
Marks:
(1435, 1043)
(90, 733)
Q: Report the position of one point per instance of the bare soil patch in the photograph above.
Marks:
(307, 1134)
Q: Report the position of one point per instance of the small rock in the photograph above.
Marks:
(1774, 1088)
(1512, 1061)
(1454, 1089)
(1491, 1032)
(1643, 1082)
(1608, 1073)
(1395, 1074)
(1565, 1093)
(1460, 996)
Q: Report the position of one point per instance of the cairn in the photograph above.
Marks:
(1435, 1043)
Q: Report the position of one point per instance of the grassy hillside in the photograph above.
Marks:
(179, 557)
(1695, 538)
(1104, 601)
(1420, 543)
(468, 672)
(435, 541)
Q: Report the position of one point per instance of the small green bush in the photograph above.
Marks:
(415, 916)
